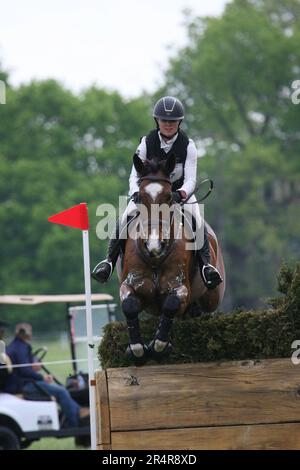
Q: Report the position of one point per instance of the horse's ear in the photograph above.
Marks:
(170, 163)
(138, 164)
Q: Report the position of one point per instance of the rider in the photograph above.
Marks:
(166, 138)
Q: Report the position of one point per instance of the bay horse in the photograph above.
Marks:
(158, 274)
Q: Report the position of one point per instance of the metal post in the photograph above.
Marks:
(89, 329)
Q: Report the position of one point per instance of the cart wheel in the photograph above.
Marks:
(8, 439)
(83, 441)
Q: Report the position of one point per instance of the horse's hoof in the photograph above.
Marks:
(156, 352)
(138, 360)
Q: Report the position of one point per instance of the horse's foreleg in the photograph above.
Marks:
(136, 351)
(174, 304)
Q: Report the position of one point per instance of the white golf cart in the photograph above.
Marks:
(26, 419)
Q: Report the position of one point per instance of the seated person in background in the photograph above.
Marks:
(23, 379)
(3, 325)
(5, 362)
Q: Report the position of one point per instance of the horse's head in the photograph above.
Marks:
(155, 198)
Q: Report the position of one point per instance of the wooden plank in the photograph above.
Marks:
(190, 395)
(254, 437)
(104, 447)
(103, 437)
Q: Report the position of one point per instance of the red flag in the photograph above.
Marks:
(76, 217)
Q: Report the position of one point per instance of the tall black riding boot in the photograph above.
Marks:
(103, 270)
(210, 275)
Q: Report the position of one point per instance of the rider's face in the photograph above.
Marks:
(168, 128)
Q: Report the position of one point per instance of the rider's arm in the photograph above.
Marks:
(190, 170)
(141, 151)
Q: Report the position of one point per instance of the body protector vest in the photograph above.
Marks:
(179, 148)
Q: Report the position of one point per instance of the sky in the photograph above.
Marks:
(122, 45)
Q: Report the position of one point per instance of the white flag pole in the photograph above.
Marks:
(89, 329)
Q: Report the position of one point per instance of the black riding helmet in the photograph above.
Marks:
(168, 108)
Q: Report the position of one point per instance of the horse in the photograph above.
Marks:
(158, 274)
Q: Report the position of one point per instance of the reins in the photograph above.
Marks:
(198, 186)
(211, 186)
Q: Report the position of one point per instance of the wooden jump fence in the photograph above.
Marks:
(228, 405)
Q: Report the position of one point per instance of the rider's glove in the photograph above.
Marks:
(177, 196)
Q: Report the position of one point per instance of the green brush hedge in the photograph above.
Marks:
(211, 337)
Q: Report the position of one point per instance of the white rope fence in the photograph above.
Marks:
(49, 363)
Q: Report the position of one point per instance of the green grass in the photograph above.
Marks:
(51, 443)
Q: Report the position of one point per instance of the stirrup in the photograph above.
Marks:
(98, 267)
(211, 284)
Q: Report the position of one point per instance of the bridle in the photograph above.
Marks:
(155, 178)
(157, 261)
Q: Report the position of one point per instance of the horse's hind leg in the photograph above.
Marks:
(136, 351)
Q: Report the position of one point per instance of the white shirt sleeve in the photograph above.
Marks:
(190, 169)
(141, 151)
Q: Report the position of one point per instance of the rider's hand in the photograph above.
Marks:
(178, 196)
(48, 378)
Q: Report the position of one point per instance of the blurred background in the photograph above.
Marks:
(81, 79)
